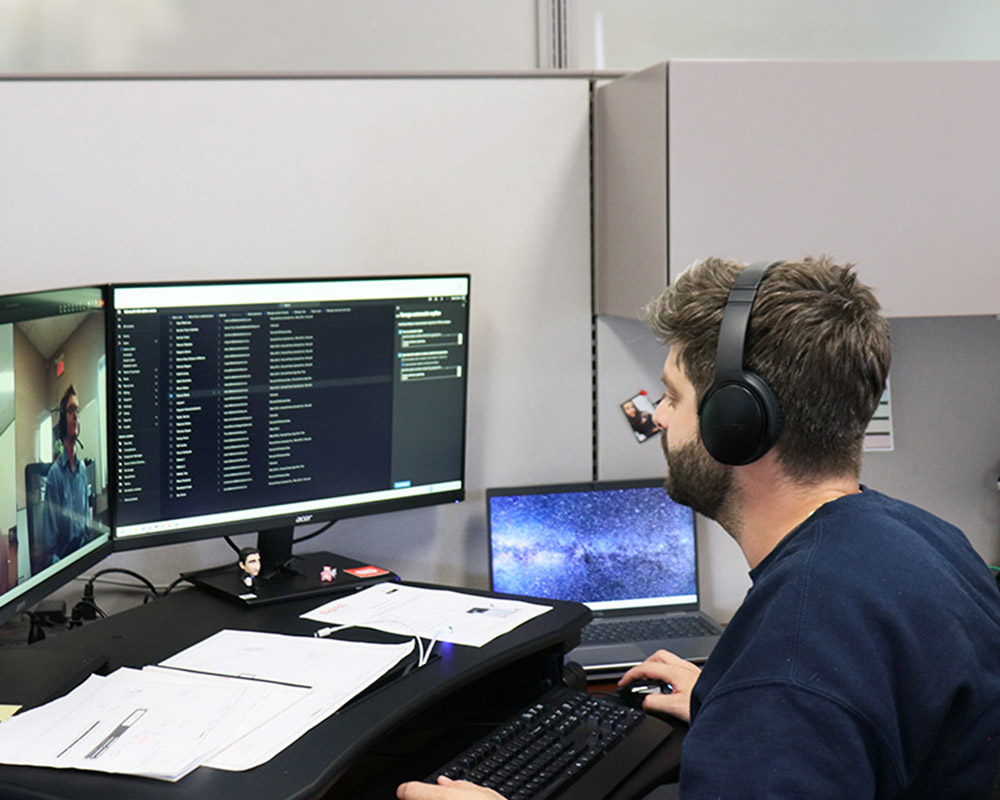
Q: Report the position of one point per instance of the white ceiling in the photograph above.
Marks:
(48, 335)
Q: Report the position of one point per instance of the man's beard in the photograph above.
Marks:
(697, 480)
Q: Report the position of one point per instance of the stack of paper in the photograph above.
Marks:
(231, 702)
(238, 698)
(436, 614)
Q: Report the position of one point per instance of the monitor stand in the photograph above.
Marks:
(285, 576)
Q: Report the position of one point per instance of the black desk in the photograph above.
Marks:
(346, 755)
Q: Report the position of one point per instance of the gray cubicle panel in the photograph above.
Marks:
(630, 360)
(889, 165)
(154, 179)
(892, 166)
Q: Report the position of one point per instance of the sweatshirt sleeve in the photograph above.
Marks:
(781, 740)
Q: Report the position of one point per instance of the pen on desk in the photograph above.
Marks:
(76, 741)
(243, 676)
(117, 733)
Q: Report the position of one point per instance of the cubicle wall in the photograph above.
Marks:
(147, 179)
(890, 165)
(154, 179)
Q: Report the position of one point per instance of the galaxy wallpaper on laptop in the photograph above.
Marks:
(593, 546)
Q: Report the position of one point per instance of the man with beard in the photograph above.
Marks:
(66, 516)
(865, 659)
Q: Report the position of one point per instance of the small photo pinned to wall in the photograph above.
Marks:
(638, 410)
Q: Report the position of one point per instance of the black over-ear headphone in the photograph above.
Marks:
(739, 415)
(63, 424)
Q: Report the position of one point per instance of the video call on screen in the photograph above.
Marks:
(223, 408)
(55, 503)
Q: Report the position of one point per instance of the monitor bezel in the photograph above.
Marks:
(281, 524)
(24, 602)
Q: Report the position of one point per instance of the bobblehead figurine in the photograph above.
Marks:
(249, 567)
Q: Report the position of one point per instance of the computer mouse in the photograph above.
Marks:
(632, 694)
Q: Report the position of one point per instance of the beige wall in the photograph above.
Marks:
(81, 351)
(30, 395)
(127, 181)
(8, 493)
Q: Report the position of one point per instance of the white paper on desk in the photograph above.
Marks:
(262, 703)
(127, 722)
(335, 671)
(429, 613)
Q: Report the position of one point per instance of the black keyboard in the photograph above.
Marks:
(566, 739)
(637, 630)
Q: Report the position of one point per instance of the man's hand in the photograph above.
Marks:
(446, 789)
(665, 666)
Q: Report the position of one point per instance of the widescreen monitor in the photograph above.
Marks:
(53, 442)
(258, 405)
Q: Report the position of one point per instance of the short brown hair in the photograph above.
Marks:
(817, 337)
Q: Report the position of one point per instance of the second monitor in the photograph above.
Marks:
(53, 488)
(258, 405)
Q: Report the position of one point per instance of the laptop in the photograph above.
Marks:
(623, 548)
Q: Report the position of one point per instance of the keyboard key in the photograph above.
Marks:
(674, 627)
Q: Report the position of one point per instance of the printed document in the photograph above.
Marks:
(440, 614)
(123, 723)
(231, 701)
(334, 671)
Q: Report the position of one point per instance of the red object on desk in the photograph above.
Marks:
(367, 572)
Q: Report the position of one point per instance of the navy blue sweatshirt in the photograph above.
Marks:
(863, 663)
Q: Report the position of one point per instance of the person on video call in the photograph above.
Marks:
(66, 515)
(865, 659)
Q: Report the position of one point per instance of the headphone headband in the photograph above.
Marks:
(736, 319)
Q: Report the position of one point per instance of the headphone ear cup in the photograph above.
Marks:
(62, 424)
(739, 419)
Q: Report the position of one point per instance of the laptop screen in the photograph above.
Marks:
(611, 545)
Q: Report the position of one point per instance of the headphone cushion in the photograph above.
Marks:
(740, 419)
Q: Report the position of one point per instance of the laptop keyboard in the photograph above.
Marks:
(636, 630)
(568, 743)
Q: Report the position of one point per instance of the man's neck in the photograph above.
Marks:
(773, 505)
(70, 454)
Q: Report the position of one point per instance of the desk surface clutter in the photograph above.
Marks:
(192, 631)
